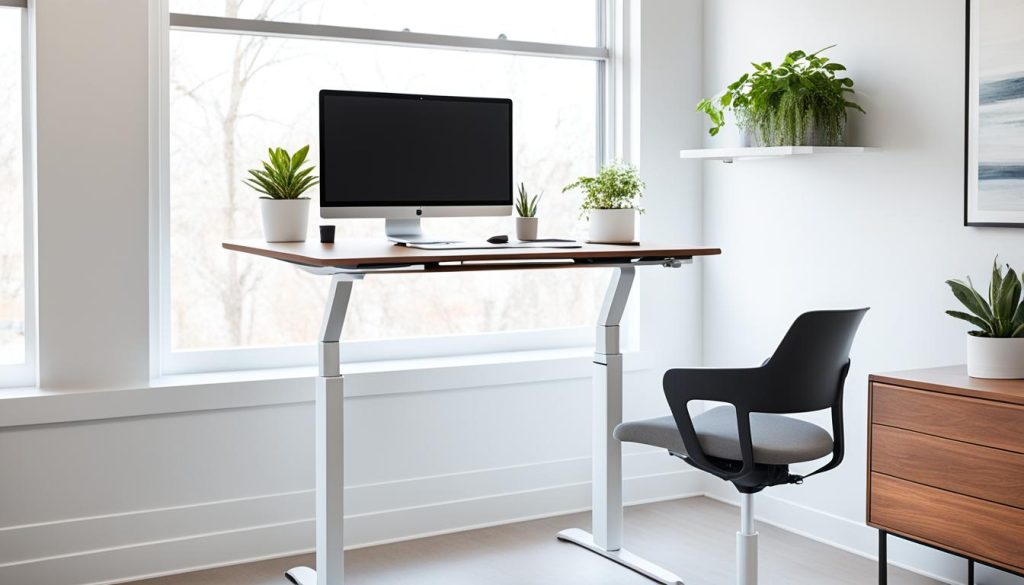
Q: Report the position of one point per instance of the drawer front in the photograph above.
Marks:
(982, 472)
(984, 530)
(982, 422)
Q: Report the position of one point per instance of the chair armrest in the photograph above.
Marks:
(838, 433)
(729, 385)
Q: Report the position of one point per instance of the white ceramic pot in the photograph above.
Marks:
(526, 228)
(612, 226)
(989, 357)
(285, 220)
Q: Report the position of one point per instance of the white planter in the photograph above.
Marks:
(526, 228)
(612, 226)
(995, 358)
(813, 136)
(285, 220)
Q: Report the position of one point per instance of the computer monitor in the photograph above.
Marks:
(403, 157)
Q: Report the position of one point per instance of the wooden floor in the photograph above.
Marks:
(694, 537)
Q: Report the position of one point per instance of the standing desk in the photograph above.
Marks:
(349, 261)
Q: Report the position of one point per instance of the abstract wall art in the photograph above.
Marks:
(994, 186)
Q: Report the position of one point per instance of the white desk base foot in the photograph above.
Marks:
(301, 576)
(622, 557)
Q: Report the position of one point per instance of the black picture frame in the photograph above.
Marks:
(969, 82)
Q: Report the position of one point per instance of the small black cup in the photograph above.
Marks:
(327, 234)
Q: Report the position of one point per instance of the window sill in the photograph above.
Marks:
(251, 388)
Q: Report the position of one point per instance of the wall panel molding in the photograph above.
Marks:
(117, 547)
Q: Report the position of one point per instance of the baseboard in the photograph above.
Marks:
(132, 545)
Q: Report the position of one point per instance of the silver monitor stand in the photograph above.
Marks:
(409, 231)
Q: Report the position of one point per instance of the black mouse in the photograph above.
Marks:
(497, 240)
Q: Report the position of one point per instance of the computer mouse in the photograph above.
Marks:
(497, 240)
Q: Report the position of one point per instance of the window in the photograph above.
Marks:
(15, 269)
(234, 93)
(563, 22)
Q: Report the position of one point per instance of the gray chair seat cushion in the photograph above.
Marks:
(777, 439)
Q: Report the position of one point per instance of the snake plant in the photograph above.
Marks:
(1002, 314)
(526, 206)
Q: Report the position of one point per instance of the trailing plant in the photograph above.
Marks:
(526, 206)
(616, 186)
(282, 176)
(781, 105)
(1002, 314)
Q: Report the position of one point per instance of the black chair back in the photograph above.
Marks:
(806, 371)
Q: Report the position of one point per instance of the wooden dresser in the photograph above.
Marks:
(946, 464)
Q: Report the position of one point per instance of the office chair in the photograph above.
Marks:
(751, 443)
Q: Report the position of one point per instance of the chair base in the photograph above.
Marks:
(622, 557)
(746, 559)
(746, 543)
(301, 576)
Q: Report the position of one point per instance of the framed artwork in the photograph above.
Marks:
(994, 178)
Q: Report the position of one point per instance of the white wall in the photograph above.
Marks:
(150, 477)
(92, 111)
(881, 230)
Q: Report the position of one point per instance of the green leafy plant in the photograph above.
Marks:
(526, 206)
(282, 176)
(780, 106)
(616, 186)
(1002, 314)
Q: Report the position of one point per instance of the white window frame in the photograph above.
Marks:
(165, 361)
(26, 373)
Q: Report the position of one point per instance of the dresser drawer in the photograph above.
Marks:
(984, 530)
(971, 420)
(973, 470)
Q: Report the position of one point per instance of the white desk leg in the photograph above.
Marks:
(330, 446)
(606, 539)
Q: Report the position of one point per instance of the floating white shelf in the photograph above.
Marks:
(730, 154)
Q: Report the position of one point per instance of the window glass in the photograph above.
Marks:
(12, 213)
(232, 96)
(564, 22)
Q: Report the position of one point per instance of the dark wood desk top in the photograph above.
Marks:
(380, 253)
(954, 380)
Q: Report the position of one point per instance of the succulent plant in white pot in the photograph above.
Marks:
(283, 181)
(996, 348)
(611, 202)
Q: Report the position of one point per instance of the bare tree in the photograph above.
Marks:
(217, 136)
(239, 277)
(12, 281)
(10, 191)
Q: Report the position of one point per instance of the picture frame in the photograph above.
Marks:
(994, 117)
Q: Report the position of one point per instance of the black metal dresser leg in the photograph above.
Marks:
(883, 559)
(970, 571)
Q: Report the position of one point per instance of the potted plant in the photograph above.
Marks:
(610, 202)
(801, 102)
(283, 180)
(996, 348)
(526, 210)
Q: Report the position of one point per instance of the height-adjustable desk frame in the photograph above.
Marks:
(347, 266)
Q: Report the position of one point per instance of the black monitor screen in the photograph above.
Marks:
(380, 149)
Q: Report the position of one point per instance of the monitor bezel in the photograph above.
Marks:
(403, 209)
